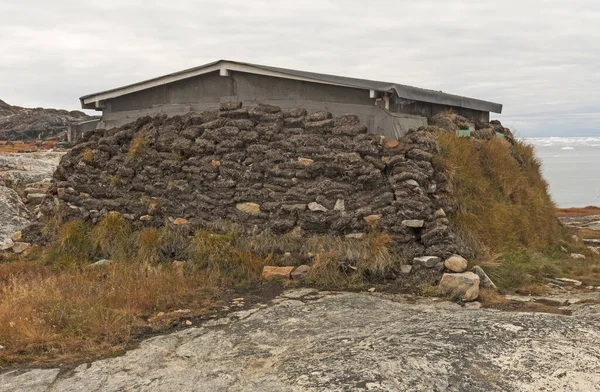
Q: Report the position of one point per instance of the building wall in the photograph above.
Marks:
(207, 91)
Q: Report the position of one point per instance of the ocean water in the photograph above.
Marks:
(571, 166)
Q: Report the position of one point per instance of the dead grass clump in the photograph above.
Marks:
(578, 212)
(148, 244)
(73, 245)
(326, 272)
(138, 148)
(87, 155)
(111, 235)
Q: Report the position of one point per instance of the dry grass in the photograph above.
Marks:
(501, 196)
(50, 315)
(87, 155)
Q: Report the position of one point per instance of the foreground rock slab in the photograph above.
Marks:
(351, 342)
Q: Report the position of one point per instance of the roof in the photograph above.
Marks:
(95, 100)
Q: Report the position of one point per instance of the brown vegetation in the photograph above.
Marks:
(577, 212)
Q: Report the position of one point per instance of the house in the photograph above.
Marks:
(386, 108)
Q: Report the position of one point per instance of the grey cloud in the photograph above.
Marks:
(541, 59)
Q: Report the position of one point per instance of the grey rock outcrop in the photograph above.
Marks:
(14, 216)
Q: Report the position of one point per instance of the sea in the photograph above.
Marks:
(571, 166)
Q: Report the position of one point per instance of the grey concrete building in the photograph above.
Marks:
(386, 108)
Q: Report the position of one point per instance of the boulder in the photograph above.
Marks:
(426, 261)
(462, 286)
(484, 280)
(19, 247)
(272, 272)
(456, 263)
(300, 273)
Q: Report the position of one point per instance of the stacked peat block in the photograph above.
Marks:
(261, 168)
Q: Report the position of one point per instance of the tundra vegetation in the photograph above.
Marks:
(65, 300)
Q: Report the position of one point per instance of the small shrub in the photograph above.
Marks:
(149, 246)
(111, 235)
(138, 148)
(87, 155)
(73, 245)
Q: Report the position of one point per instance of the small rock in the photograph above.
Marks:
(188, 322)
(35, 198)
(411, 183)
(563, 249)
(19, 247)
(406, 268)
(60, 192)
(485, 281)
(301, 272)
(339, 205)
(305, 161)
(180, 221)
(391, 143)
(473, 305)
(355, 235)
(414, 223)
(427, 261)
(594, 250)
(372, 219)
(570, 281)
(2, 347)
(577, 256)
(238, 299)
(249, 208)
(371, 290)
(440, 213)
(575, 238)
(215, 163)
(101, 262)
(272, 272)
(463, 286)
(456, 263)
(314, 206)
(16, 236)
(83, 194)
(146, 218)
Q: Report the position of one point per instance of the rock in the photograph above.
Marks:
(414, 223)
(60, 192)
(314, 206)
(570, 281)
(300, 273)
(577, 256)
(305, 161)
(594, 250)
(371, 290)
(563, 249)
(102, 262)
(484, 280)
(215, 163)
(298, 293)
(339, 205)
(271, 272)
(426, 261)
(391, 143)
(146, 218)
(473, 305)
(411, 183)
(19, 247)
(2, 347)
(249, 208)
(372, 219)
(406, 268)
(462, 286)
(16, 236)
(188, 322)
(440, 213)
(456, 263)
(180, 221)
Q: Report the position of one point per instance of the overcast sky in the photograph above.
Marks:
(541, 59)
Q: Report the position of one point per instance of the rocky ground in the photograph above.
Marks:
(322, 341)
(18, 123)
(24, 179)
